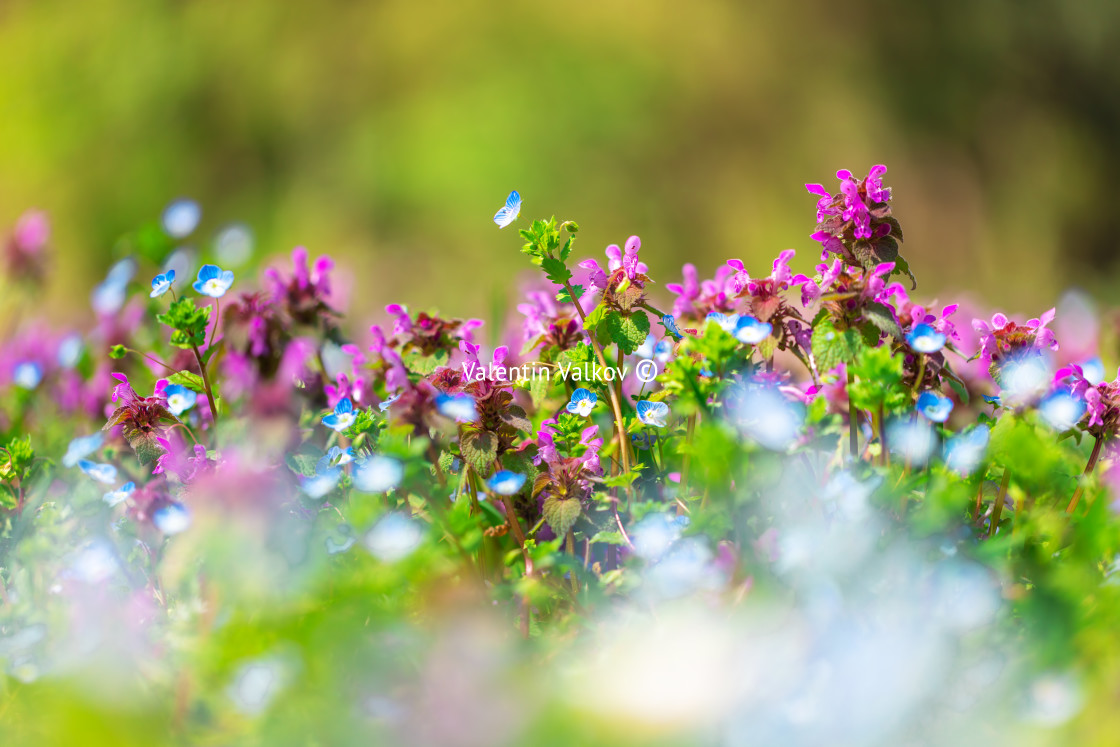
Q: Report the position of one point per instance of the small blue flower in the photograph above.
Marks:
(965, 450)
(645, 350)
(335, 457)
(181, 217)
(383, 406)
(508, 212)
(934, 407)
(925, 339)
(172, 518)
(179, 398)
(213, 281)
(663, 351)
(670, 323)
(27, 375)
(82, 447)
(990, 399)
(70, 351)
(726, 322)
(506, 482)
(103, 473)
(750, 331)
(653, 413)
(121, 494)
(1093, 370)
(458, 407)
(1061, 410)
(343, 416)
(582, 402)
(162, 283)
(321, 483)
(378, 474)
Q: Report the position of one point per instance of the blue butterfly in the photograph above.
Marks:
(509, 212)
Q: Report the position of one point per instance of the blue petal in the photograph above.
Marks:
(506, 482)
(208, 272)
(582, 393)
(344, 405)
(513, 202)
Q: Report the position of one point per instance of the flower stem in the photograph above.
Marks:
(1088, 470)
(206, 384)
(853, 420)
(217, 318)
(1000, 498)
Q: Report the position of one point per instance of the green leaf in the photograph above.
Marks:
(595, 317)
(561, 513)
(563, 296)
(882, 317)
(628, 332)
(188, 321)
(556, 270)
(188, 379)
(417, 362)
(608, 538)
(515, 416)
(145, 445)
(831, 347)
(480, 449)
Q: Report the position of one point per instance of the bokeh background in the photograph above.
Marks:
(388, 133)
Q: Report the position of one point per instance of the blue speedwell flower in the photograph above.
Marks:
(335, 457)
(726, 322)
(506, 482)
(27, 375)
(964, 451)
(343, 416)
(508, 212)
(670, 323)
(213, 281)
(750, 331)
(322, 482)
(172, 518)
(162, 283)
(1062, 410)
(934, 407)
(645, 350)
(121, 494)
(653, 413)
(378, 474)
(990, 399)
(925, 339)
(383, 406)
(582, 402)
(459, 407)
(180, 218)
(82, 447)
(179, 399)
(103, 473)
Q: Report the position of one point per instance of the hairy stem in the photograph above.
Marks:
(1000, 498)
(206, 384)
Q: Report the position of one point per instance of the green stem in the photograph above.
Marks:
(1088, 470)
(1000, 498)
(206, 384)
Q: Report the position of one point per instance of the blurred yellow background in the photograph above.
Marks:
(388, 133)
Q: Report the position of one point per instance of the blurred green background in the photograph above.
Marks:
(388, 133)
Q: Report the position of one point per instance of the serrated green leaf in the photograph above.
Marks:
(480, 449)
(188, 379)
(561, 513)
(628, 332)
(883, 318)
(556, 270)
(831, 347)
(563, 296)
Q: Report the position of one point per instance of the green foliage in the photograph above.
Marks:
(831, 346)
(561, 513)
(877, 375)
(479, 449)
(189, 379)
(188, 322)
(628, 331)
(117, 352)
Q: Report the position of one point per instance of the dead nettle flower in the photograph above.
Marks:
(564, 478)
(142, 420)
(494, 405)
(856, 224)
(695, 299)
(254, 327)
(623, 282)
(1101, 400)
(305, 296)
(549, 323)
(1003, 339)
(25, 250)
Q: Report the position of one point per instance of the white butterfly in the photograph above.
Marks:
(509, 212)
